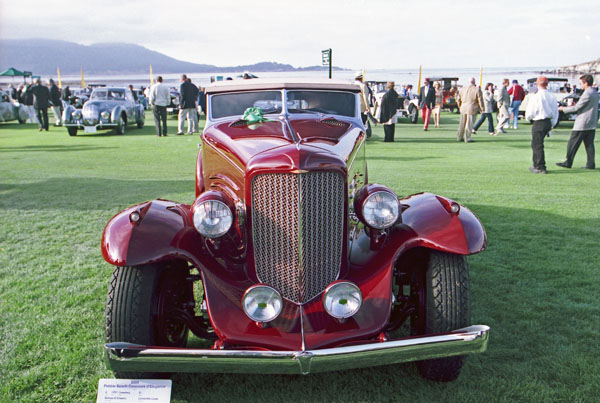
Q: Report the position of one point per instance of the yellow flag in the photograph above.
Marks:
(59, 82)
(419, 86)
(82, 80)
(480, 76)
(363, 73)
(151, 77)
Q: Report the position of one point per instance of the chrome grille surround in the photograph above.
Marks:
(298, 231)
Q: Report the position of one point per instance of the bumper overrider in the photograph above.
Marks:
(126, 357)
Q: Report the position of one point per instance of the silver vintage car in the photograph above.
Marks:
(108, 107)
(10, 110)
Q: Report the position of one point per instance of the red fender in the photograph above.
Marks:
(164, 230)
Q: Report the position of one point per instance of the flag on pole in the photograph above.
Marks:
(363, 73)
(480, 76)
(59, 82)
(419, 86)
(151, 77)
(82, 80)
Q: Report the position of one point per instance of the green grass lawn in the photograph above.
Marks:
(536, 285)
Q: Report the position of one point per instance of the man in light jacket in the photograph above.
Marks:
(584, 128)
(159, 99)
(470, 102)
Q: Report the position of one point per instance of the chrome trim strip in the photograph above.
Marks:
(135, 358)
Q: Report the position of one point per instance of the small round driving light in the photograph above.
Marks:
(104, 115)
(212, 218)
(76, 115)
(380, 210)
(134, 217)
(262, 303)
(342, 300)
(454, 208)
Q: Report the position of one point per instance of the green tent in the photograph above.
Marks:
(12, 72)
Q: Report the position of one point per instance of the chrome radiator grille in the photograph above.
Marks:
(297, 231)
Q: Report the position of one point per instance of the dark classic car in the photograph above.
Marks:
(107, 108)
(449, 87)
(11, 110)
(289, 260)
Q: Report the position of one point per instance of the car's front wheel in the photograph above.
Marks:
(142, 306)
(443, 298)
(72, 131)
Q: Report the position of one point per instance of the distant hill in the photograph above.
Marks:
(592, 67)
(43, 56)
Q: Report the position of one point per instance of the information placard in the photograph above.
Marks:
(134, 391)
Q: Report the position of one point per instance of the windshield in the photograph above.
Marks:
(327, 102)
(108, 94)
(236, 103)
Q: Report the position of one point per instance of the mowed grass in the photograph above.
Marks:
(536, 285)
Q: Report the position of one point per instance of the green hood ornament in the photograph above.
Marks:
(253, 115)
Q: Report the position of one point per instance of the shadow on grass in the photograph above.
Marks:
(89, 193)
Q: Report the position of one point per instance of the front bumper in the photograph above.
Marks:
(126, 357)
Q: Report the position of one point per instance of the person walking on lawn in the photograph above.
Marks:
(426, 102)
(159, 99)
(41, 98)
(584, 128)
(470, 102)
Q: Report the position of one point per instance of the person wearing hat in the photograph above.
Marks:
(542, 111)
(426, 102)
(518, 94)
(584, 128)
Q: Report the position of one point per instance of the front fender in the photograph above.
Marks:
(434, 227)
(67, 112)
(116, 112)
(163, 231)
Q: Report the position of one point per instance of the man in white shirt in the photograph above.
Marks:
(542, 111)
(159, 99)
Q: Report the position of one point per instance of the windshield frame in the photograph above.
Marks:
(285, 110)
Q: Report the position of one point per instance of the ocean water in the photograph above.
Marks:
(399, 76)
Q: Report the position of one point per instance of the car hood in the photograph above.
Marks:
(245, 142)
(100, 106)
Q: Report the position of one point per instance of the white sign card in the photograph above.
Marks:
(134, 391)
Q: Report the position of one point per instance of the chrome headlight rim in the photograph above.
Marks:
(205, 209)
(104, 115)
(340, 296)
(76, 114)
(259, 298)
(365, 199)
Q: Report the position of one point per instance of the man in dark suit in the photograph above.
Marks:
(188, 95)
(41, 96)
(426, 102)
(584, 128)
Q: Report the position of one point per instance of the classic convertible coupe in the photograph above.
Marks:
(107, 108)
(289, 260)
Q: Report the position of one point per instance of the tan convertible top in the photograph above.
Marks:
(275, 84)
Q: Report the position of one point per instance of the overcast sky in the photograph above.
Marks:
(372, 34)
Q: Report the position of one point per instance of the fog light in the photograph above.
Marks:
(76, 115)
(342, 300)
(262, 303)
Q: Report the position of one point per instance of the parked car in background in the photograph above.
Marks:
(108, 107)
(407, 108)
(173, 107)
(449, 87)
(79, 96)
(290, 260)
(11, 110)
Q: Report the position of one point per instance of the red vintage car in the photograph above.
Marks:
(289, 260)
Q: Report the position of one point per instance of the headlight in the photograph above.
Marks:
(212, 218)
(175, 101)
(76, 115)
(104, 115)
(380, 210)
(262, 303)
(342, 300)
